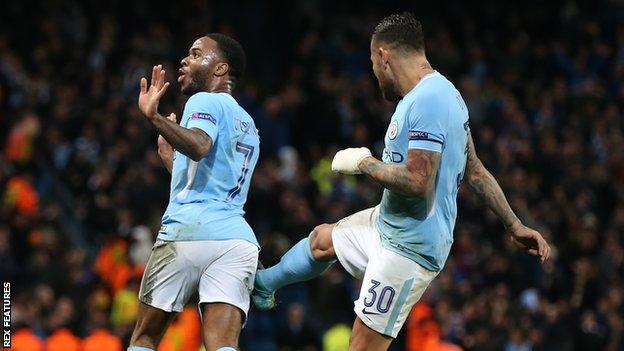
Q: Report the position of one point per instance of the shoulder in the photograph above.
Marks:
(435, 89)
(205, 98)
(216, 104)
(433, 96)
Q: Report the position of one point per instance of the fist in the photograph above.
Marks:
(347, 161)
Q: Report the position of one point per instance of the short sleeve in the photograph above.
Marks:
(203, 111)
(427, 119)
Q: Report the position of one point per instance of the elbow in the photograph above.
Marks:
(472, 181)
(201, 147)
(196, 156)
(199, 152)
(474, 173)
(420, 189)
(474, 169)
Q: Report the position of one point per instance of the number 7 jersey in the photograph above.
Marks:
(207, 197)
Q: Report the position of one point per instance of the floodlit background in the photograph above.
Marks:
(82, 189)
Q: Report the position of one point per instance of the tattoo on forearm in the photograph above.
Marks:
(393, 177)
(414, 178)
(487, 188)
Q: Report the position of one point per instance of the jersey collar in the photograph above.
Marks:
(229, 97)
(424, 78)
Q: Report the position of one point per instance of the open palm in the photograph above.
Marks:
(150, 97)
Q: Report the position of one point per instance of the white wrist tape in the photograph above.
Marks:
(346, 161)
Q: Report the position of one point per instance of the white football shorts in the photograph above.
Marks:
(391, 283)
(221, 270)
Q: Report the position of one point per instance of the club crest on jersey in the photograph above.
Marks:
(206, 116)
(393, 130)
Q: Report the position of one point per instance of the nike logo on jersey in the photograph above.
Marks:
(368, 312)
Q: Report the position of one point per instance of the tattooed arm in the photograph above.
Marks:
(486, 187)
(414, 178)
(483, 184)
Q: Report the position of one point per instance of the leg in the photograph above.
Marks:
(308, 259)
(224, 289)
(364, 338)
(150, 326)
(321, 243)
(166, 286)
(221, 324)
(392, 284)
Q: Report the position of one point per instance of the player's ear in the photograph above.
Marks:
(384, 56)
(222, 69)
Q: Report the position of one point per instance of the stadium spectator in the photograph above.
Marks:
(63, 340)
(79, 173)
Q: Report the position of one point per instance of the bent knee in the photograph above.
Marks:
(321, 243)
(320, 238)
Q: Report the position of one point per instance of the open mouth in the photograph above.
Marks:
(181, 75)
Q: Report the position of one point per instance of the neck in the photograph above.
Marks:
(410, 71)
(220, 86)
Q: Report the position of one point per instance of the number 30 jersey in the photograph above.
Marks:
(207, 197)
(432, 117)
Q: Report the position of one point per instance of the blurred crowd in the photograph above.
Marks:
(82, 189)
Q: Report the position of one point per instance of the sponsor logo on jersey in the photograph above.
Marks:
(418, 135)
(203, 115)
(392, 156)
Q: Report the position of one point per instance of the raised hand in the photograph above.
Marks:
(150, 97)
(530, 241)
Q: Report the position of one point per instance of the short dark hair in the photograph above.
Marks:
(233, 53)
(401, 30)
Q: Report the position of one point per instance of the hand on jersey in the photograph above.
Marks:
(149, 97)
(530, 241)
(347, 161)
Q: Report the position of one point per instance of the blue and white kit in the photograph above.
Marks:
(204, 242)
(398, 247)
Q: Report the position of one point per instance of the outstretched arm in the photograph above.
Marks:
(483, 184)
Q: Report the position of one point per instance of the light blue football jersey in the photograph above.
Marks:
(207, 197)
(434, 117)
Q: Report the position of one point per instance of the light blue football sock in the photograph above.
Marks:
(226, 349)
(139, 348)
(296, 265)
